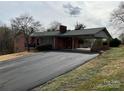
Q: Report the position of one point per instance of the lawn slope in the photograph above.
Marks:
(106, 72)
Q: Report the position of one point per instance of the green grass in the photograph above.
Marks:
(105, 72)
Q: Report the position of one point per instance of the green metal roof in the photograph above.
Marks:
(83, 32)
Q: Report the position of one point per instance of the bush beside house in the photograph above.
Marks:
(44, 47)
(115, 42)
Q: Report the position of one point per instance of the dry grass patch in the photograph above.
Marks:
(13, 56)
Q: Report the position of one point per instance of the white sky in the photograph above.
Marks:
(91, 13)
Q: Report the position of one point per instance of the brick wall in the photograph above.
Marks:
(62, 43)
(76, 44)
(58, 43)
(19, 43)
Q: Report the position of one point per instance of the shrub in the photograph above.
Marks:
(44, 47)
(105, 43)
(115, 42)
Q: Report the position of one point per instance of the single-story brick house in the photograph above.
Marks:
(71, 39)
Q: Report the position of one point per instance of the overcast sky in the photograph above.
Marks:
(91, 13)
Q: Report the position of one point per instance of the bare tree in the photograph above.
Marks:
(25, 24)
(54, 26)
(79, 26)
(121, 37)
(117, 19)
(117, 16)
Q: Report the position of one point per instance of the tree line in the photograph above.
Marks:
(6, 40)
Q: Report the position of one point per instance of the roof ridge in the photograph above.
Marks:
(95, 28)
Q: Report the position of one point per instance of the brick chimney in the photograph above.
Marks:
(62, 29)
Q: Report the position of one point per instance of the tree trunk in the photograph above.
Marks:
(27, 42)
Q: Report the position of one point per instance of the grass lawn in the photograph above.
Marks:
(105, 72)
(13, 55)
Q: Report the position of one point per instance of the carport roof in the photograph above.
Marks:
(83, 32)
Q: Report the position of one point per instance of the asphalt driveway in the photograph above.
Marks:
(28, 72)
